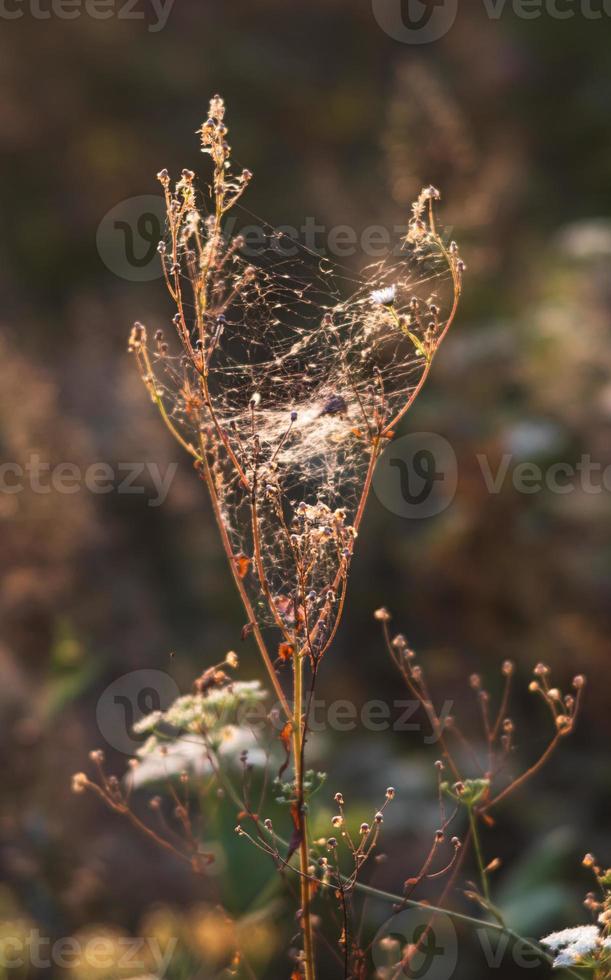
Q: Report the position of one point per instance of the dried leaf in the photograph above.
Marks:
(285, 738)
(297, 835)
(285, 652)
(211, 678)
(247, 630)
(242, 564)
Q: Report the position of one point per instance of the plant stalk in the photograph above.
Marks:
(306, 916)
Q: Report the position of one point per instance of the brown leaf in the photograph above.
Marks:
(247, 630)
(285, 738)
(297, 835)
(242, 564)
(211, 678)
(285, 652)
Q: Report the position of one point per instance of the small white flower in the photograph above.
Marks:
(384, 297)
(148, 723)
(160, 761)
(572, 944)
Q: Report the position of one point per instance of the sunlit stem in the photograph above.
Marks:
(304, 882)
(479, 857)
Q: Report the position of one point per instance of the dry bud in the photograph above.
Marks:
(382, 615)
(79, 782)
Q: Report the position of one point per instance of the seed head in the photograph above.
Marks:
(79, 782)
(382, 615)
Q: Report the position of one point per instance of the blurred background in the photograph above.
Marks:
(509, 117)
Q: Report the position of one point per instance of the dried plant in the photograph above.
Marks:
(285, 382)
(285, 395)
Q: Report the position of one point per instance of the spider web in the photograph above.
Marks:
(307, 365)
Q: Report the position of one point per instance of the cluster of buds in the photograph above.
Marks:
(563, 707)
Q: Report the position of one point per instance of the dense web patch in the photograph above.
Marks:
(291, 375)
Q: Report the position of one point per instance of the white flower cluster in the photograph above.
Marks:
(572, 945)
(384, 297)
(202, 734)
(192, 712)
(159, 760)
